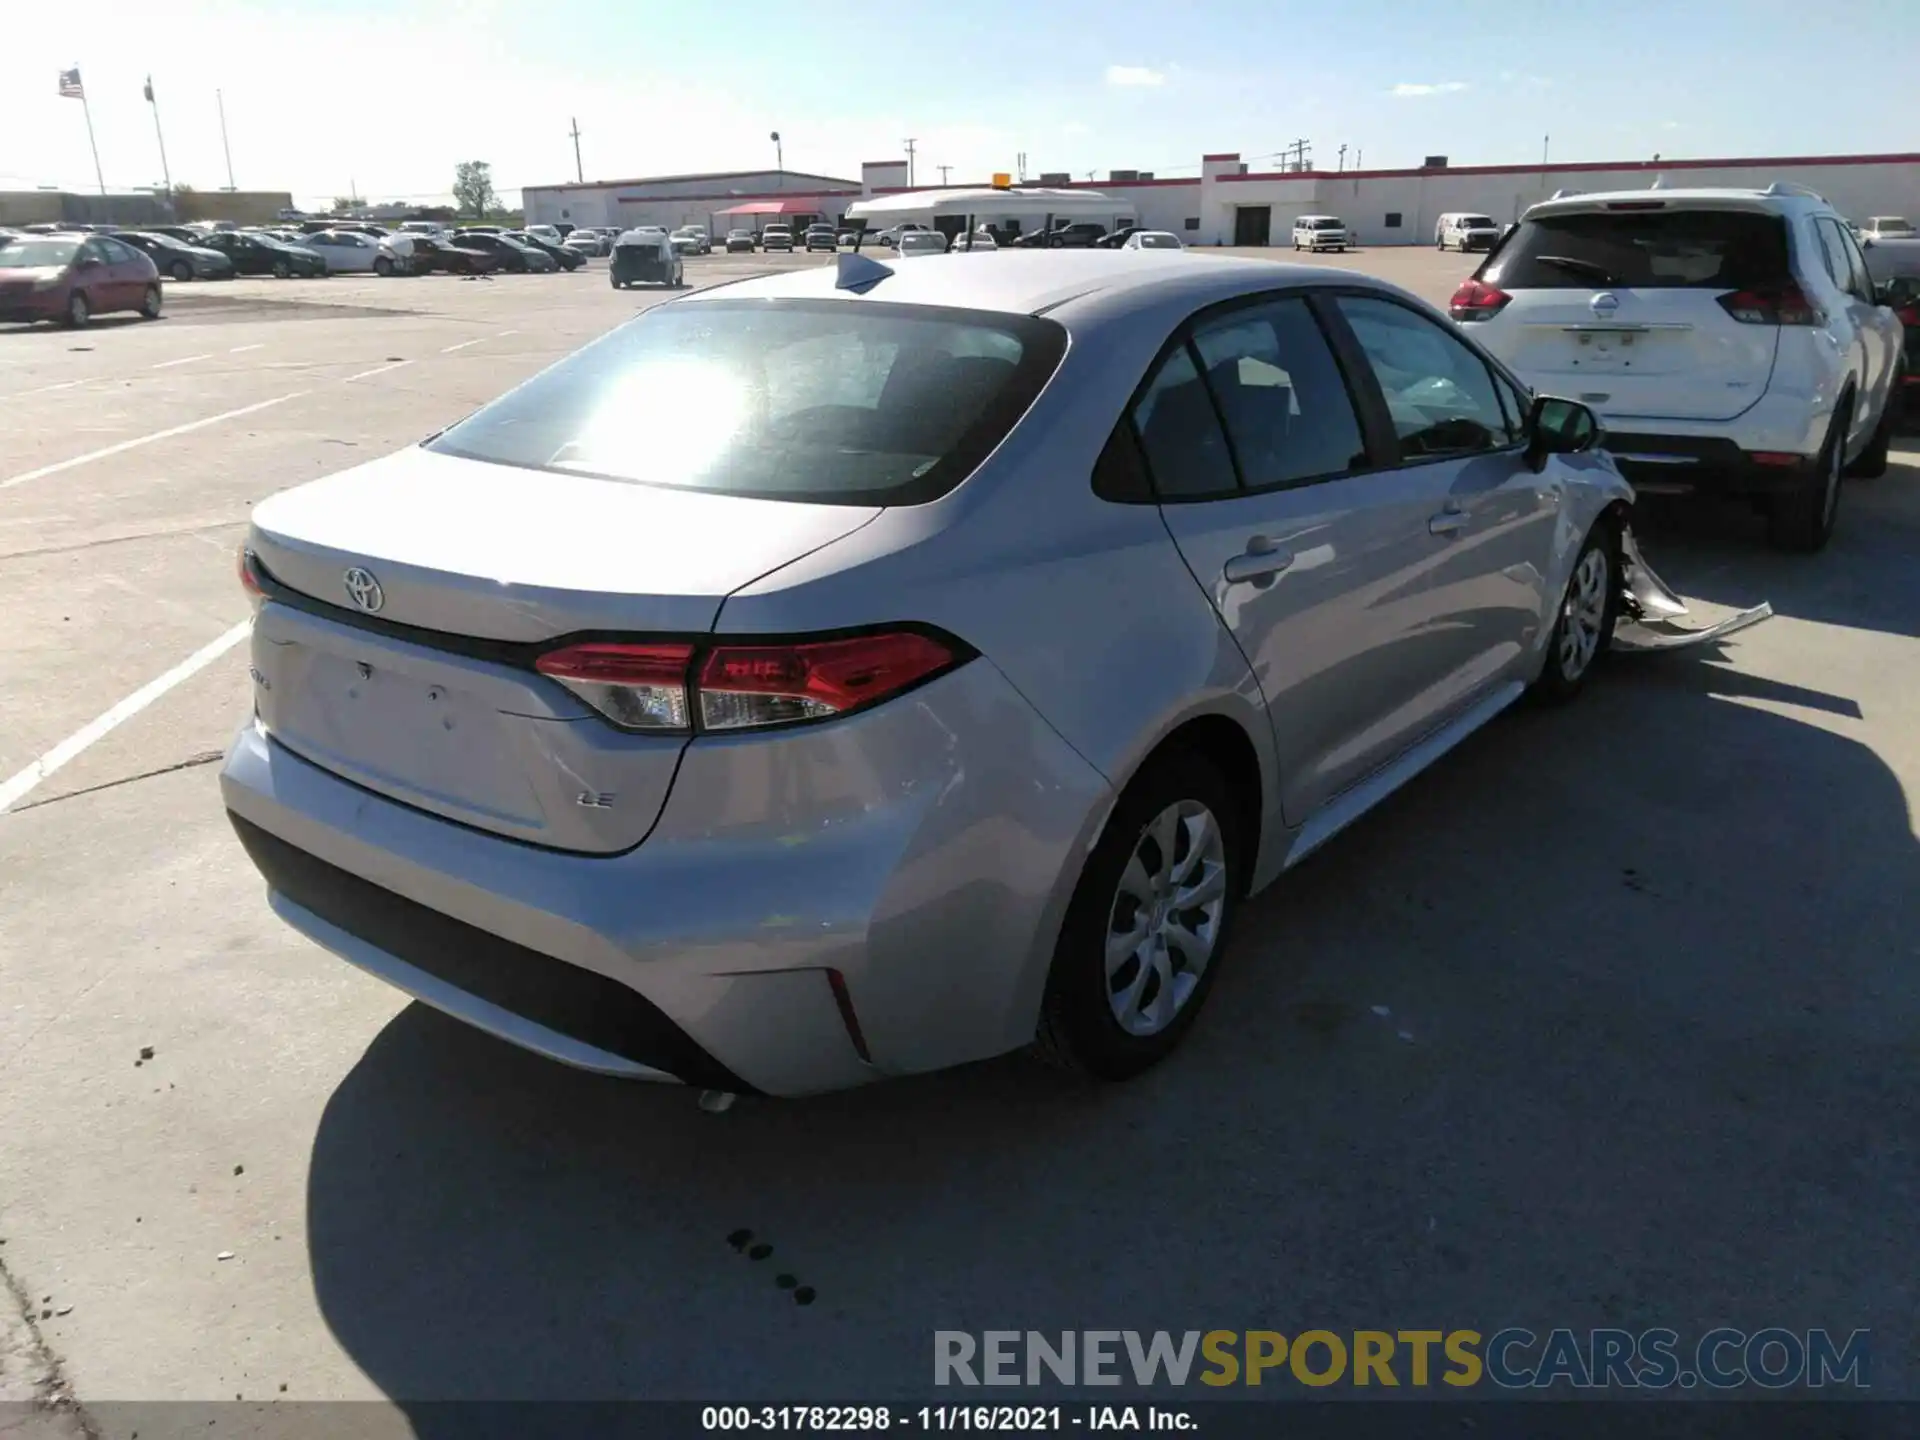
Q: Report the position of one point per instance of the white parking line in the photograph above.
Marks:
(379, 370)
(505, 333)
(43, 389)
(243, 349)
(15, 789)
(140, 440)
(463, 344)
(183, 360)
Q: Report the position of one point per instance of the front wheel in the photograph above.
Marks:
(181, 271)
(150, 303)
(281, 269)
(383, 267)
(1149, 920)
(1583, 630)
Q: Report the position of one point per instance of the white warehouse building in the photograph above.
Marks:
(1227, 204)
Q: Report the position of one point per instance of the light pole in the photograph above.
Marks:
(779, 159)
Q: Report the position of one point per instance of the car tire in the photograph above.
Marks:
(1583, 624)
(1135, 865)
(79, 309)
(383, 267)
(281, 270)
(1871, 463)
(150, 302)
(1801, 521)
(180, 270)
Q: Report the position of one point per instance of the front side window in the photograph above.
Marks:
(868, 404)
(1280, 392)
(1439, 393)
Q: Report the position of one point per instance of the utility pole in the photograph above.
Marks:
(221, 102)
(779, 159)
(943, 169)
(579, 170)
(1343, 159)
(166, 175)
(1020, 165)
(909, 144)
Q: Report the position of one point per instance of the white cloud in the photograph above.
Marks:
(1669, 124)
(1134, 76)
(1445, 87)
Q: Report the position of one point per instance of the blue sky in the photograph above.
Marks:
(386, 97)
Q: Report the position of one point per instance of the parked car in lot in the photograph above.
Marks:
(983, 240)
(547, 233)
(595, 636)
(1466, 231)
(1731, 340)
(514, 256)
(560, 254)
(1320, 232)
(890, 237)
(921, 242)
(693, 240)
(738, 241)
(350, 252)
(177, 260)
(437, 229)
(1069, 235)
(821, 237)
(263, 255)
(587, 242)
(645, 256)
(776, 237)
(1888, 227)
(1116, 239)
(431, 254)
(1154, 240)
(72, 278)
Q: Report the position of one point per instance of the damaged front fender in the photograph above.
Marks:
(1649, 609)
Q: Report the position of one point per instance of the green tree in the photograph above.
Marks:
(473, 187)
(344, 203)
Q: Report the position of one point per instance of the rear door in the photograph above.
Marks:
(1620, 308)
(1882, 336)
(1312, 553)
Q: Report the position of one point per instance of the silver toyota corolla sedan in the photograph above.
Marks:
(867, 669)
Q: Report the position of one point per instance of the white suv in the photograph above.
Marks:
(1730, 340)
(1320, 232)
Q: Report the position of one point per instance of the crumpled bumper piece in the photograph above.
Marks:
(1650, 609)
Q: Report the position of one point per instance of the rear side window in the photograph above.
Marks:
(1646, 249)
(830, 402)
(1180, 433)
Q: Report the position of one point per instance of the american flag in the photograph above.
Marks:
(70, 85)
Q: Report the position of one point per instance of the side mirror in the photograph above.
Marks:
(1559, 427)
(1866, 242)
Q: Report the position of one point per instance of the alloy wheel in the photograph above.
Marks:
(1583, 614)
(1164, 924)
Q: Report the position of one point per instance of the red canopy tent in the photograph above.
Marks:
(794, 205)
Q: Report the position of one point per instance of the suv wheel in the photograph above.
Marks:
(1802, 520)
(1871, 463)
(1148, 923)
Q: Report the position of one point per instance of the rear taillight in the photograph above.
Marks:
(659, 689)
(1476, 300)
(1779, 305)
(1909, 316)
(249, 582)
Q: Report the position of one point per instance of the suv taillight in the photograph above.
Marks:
(250, 582)
(660, 689)
(1777, 305)
(1476, 300)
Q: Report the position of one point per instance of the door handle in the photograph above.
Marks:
(1261, 560)
(1450, 521)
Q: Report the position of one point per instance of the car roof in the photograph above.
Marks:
(1029, 282)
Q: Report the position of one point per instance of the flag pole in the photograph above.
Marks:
(166, 175)
(221, 102)
(99, 175)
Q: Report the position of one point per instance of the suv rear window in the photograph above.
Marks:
(822, 401)
(1649, 250)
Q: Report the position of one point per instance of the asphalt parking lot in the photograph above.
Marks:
(1609, 1019)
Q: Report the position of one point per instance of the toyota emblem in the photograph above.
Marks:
(1604, 304)
(363, 589)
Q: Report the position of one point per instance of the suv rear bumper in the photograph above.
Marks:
(1711, 464)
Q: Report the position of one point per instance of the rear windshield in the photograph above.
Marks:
(1659, 250)
(835, 402)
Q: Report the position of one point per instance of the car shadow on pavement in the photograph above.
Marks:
(1606, 1020)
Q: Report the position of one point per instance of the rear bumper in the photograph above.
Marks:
(924, 851)
(1658, 463)
(648, 268)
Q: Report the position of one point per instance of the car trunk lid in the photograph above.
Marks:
(417, 591)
